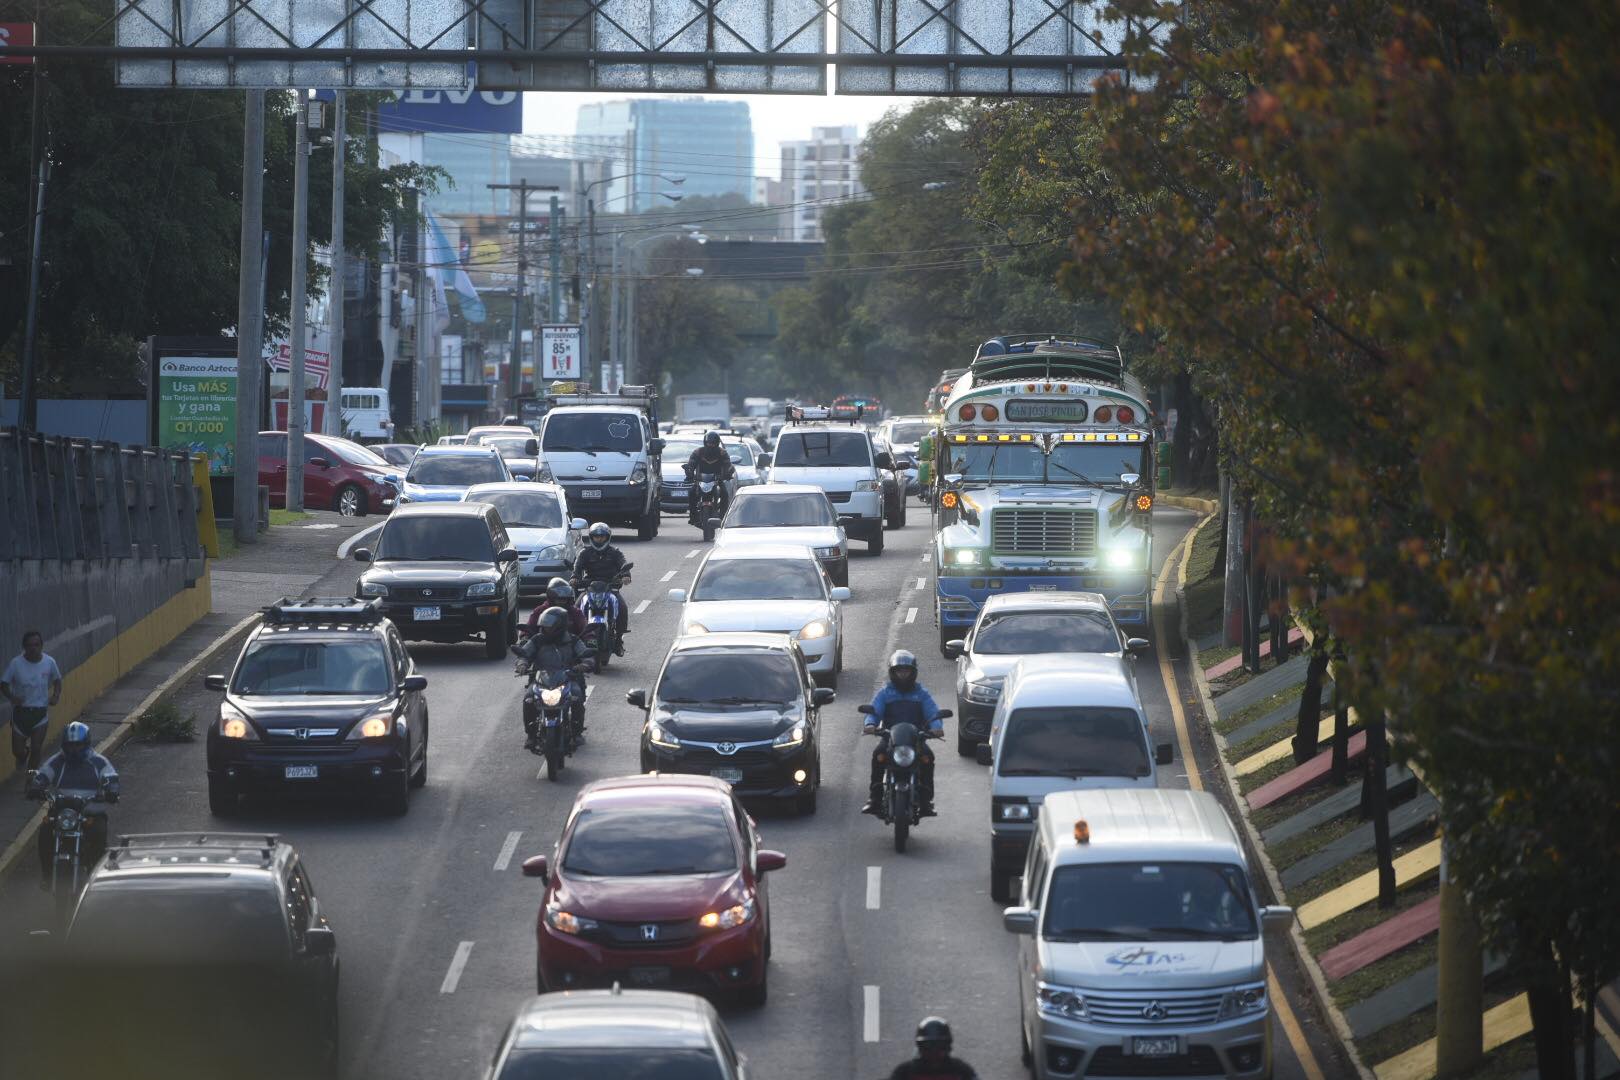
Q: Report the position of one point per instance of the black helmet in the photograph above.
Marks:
(711, 439)
(76, 741)
(559, 593)
(934, 1032)
(553, 621)
(903, 669)
(551, 586)
(600, 534)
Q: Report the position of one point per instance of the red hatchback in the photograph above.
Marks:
(338, 474)
(658, 882)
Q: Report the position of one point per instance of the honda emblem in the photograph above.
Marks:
(649, 931)
(301, 733)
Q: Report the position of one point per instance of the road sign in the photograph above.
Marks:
(15, 33)
(559, 349)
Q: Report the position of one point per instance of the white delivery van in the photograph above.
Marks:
(366, 417)
(1141, 945)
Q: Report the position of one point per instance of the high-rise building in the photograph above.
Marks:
(818, 172)
(710, 143)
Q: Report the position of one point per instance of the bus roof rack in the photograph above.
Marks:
(289, 611)
(1047, 356)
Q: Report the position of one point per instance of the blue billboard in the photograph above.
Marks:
(453, 111)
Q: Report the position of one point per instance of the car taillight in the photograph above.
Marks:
(966, 412)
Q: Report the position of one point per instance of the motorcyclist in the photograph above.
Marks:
(552, 648)
(902, 686)
(711, 457)
(75, 768)
(934, 1060)
(599, 560)
(559, 594)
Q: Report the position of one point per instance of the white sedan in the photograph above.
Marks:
(788, 514)
(536, 519)
(773, 588)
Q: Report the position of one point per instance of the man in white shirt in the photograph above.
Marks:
(32, 683)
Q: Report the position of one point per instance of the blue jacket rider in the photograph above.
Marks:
(902, 687)
(76, 768)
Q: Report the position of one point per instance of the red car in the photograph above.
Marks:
(658, 882)
(338, 474)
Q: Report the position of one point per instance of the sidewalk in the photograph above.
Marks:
(287, 561)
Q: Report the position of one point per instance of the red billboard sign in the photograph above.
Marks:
(13, 34)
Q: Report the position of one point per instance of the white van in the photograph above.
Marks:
(1141, 942)
(838, 457)
(366, 416)
(1065, 720)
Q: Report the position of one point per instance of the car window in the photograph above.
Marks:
(739, 454)
(436, 539)
(1022, 632)
(765, 510)
(1074, 741)
(524, 509)
(455, 470)
(745, 829)
(822, 448)
(620, 1063)
(162, 920)
(353, 452)
(721, 678)
(760, 579)
(906, 434)
(281, 667)
(509, 448)
(273, 446)
(1035, 876)
(681, 450)
(402, 659)
(646, 840)
(594, 432)
(1163, 901)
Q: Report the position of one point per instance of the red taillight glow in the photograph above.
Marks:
(1125, 414)
(1103, 414)
(989, 412)
(966, 412)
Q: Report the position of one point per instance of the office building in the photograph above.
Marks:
(710, 143)
(819, 171)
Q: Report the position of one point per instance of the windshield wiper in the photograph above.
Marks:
(1173, 932)
(570, 450)
(681, 701)
(1095, 935)
(680, 870)
(606, 449)
(1088, 481)
(745, 701)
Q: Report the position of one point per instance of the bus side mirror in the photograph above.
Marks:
(1130, 479)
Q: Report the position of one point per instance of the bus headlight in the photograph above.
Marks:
(1123, 558)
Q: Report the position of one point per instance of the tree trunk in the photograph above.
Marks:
(1224, 486)
(1309, 720)
(1254, 586)
(1277, 616)
(1377, 758)
(1341, 727)
(1233, 618)
(1548, 990)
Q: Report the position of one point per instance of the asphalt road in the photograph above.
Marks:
(435, 924)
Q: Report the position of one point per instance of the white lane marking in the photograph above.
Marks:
(458, 964)
(667, 576)
(911, 615)
(922, 583)
(504, 859)
(693, 553)
(588, 690)
(874, 888)
(869, 1026)
(642, 606)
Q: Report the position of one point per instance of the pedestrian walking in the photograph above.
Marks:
(32, 683)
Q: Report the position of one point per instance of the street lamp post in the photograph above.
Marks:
(588, 315)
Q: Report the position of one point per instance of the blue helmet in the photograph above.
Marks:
(76, 741)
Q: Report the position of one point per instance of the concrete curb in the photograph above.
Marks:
(1187, 502)
(126, 727)
(1296, 935)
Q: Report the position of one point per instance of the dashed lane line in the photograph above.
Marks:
(642, 606)
(504, 859)
(693, 553)
(869, 1022)
(874, 888)
(458, 964)
(911, 616)
(922, 583)
(668, 576)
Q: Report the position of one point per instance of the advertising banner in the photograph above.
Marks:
(453, 112)
(559, 351)
(196, 408)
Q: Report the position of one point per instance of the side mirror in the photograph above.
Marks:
(945, 714)
(413, 683)
(1276, 917)
(840, 592)
(320, 941)
(884, 460)
(531, 447)
(638, 698)
(579, 524)
(712, 523)
(215, 682)
(362, 555)
(320, 463)
(536, 866)
(678, 595)
(824, 695)
(982, 754)
(506, 555)
(866, 710)
(655, 446)
(1164, 754)
(956, 647)
(771, 860)
(763, 461)
(952, 478)
(1137, 644)
(394, 478)
(1130, 479)
(1019, 920)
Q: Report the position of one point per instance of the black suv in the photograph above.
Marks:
(215, 949)
(446, 572)
(324, 696)
(740, 707)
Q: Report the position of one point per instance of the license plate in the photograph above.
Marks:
(649, 976)
(1043, 588)
(1155, 1046)
(552, 720)
(425, 614)
(730, 776)
(302, 772)
(590, 493)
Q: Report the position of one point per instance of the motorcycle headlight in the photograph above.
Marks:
(1243, 1000)
(815, 628)
(661, 738)
(1123, 558)
(551, 696)
(373, 588)
(67, 819)
(732, 916)
(793, 736)
(482, 588)
(567, 922)
(1054, 1000)
(904, 756)
(985, 692)
(638, 475)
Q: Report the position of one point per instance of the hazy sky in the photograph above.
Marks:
(776, 118)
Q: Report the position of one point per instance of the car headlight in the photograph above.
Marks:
(544, 475)
(1243, 1000)
(829, 552)
(815, 628)
(549, 554)
(985, 692)
(233, 725)
(1123, 558)
(660, 737)
(1016, 811)
(732, 916)
(793, 736)
(373, 588)
(904, 756)
(482, 588)
(963, 556)
(373, 727)
(567, 922)
(1064, 1001)
(695, 628)
(868, 485)
(638, 475)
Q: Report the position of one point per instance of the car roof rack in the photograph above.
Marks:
(807, 414)
(289, 611)
(130, 843)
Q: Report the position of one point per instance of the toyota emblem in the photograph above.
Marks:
(726, 748)
(1154, 1011)
(649, 931)
(427, 592)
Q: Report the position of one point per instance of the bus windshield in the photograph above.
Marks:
(1068, 463)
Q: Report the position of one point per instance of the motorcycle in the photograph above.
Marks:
(710, 502)
(599, 603)
(557, 708)
(902, 803)
(68, 811)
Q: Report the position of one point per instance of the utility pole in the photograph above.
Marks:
(334, 378)
(249, 325)
(556, 261)
(588, 316)
(300, 256)
(613, 306)
(27, 405)
(427, 375)
(514, 374)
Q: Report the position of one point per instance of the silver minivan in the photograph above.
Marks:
(1064, 721)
